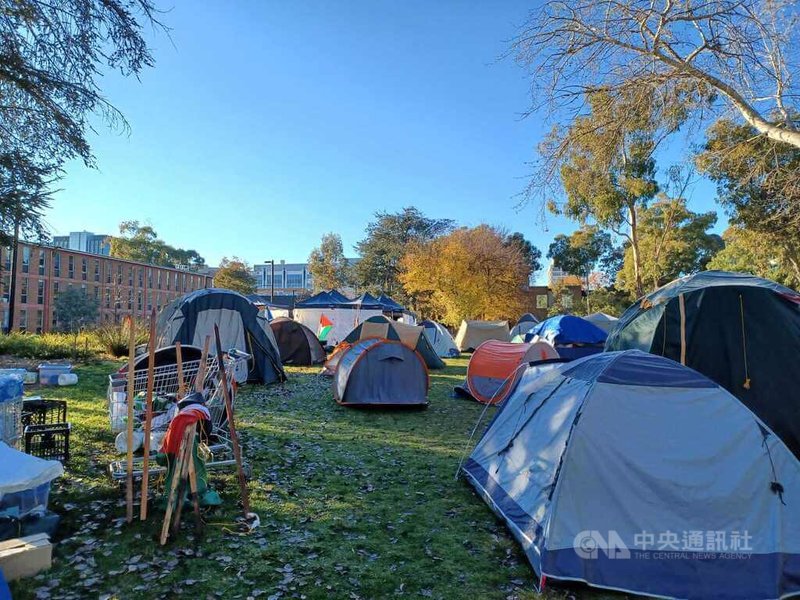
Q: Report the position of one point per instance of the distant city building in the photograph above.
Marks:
(290, 278)
(84, 241)
(541, 297)
(120, 287)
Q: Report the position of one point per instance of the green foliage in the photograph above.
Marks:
(25, 195)
(758, 182)
(747, 251)
(234, 274)
(387, 238)
(327, 264)
(141, 243)
(114, 338)
(609, 300)
(673, 241)
(75, 309)
(50, 346)
(583, 251)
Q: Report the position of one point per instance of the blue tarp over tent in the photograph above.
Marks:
(572, 336)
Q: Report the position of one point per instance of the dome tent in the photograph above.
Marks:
(472, 334)
(524, 325)
(583, 460)
(494, 368)
(411, 335)
(742, 332)
(297, 343)
(571, 336)
(603, 321)
(375, 372)
(192, 317)
(440, 339)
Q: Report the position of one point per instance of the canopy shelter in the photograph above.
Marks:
(603, 321)
(631, 472)
(191, 318)
(381, 373)
(411, 335)
(331, 316)
(366, 301)
(297, 343)
(573, 337)
(495, 367)
(524, 325)
(472, 334)
(743, 332)
(440, 339)
(271, 309)
(390, 305)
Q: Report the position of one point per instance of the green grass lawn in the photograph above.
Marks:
(353, 504)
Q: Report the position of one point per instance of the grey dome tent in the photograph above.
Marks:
(192, 317)
(297, 343)
(524, 325)
(631, 472)
(381, 373)
(440, 339)
(742, 332)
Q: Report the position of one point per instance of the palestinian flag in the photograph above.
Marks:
(325, 326)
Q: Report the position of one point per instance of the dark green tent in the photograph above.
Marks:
(743, 332)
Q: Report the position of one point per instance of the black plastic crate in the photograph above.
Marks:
(38, 411)
(49, 441)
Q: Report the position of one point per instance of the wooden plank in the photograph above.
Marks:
(25, 557)
(148, 415)
(130, 397)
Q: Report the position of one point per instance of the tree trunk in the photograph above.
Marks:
(637, 267)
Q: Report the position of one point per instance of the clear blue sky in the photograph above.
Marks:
(266, 124)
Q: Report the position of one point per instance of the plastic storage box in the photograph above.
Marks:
(49, 372)
(10, 409)
(27, 500)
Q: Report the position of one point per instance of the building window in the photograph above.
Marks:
(71, 267)
(130, 276)
(141, 277)
(97, 293)
(84, 269)
(39, 321)
(23, 320)
(108, 297)
(57, 264)
(130, 299)
(541, 300)
(40, 292)
(168, 278)
(294, 280)
(41, 262)
(55, 289)
(108, 274)
(158, 279)
(97, 271)
(119, 274)
(139, 301)
(54, 322)
(149, 278)
(8, 252)
(23, 294)
(26, 259)
(149, 301)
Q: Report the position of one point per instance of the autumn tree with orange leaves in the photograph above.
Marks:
(471, 273)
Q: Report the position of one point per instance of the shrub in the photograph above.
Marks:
(48, 346)
(113, 337)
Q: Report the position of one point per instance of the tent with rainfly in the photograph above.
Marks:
(604, 321)
(381, 373)
(440, 339)
(411, 335)
(524, 325)
(631, 472)
(743, 332)
(297, 343)
(192, 317)
(573, 337)
(472, 334)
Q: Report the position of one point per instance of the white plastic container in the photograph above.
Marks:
(68, 379)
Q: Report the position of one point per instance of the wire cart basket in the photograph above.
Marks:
(165, 387)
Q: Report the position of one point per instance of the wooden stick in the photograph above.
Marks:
(198, 519)
(179, 362)
(148, 415)
(237, 451)
(199, 380)
(130, 397)
(187, 447)
(177, 473)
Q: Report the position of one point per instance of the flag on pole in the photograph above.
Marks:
(325, 326)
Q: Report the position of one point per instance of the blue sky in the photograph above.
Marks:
(266, 124)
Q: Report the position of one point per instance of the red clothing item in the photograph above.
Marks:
(187, 417)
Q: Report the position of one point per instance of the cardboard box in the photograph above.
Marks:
(25, 557)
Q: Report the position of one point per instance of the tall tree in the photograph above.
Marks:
(386, 240)
(606, 165)
(582, 252)
(51, 59)
(466, 274)
(141, 243)
(235, 274)
(531, 253)
(674, 242)
(748, 251)
(724, 55)
(327, 264)
(75, 309)
(25, 194)
(758, 182)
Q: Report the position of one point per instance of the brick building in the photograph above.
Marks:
(541, 298)
(121, 287)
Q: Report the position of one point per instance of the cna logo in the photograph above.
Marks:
(589, 544)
